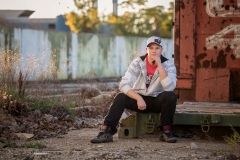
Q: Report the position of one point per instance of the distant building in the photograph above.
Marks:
(20, 19)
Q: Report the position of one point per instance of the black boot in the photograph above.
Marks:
(104, 135)
(166, 135)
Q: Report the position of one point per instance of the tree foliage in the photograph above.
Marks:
(149, 21)
(132, 3)
(145, 22)
(86, 20)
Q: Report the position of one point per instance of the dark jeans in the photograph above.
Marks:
(164, 103)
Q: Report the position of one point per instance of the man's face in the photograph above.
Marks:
(154, 50)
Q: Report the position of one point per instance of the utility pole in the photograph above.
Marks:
(115, 7)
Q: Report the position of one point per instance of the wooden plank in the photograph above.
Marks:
(214, 108)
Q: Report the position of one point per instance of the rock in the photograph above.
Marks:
(24, 135)
(101, 97)
(48, 117)
(2, 145)
(89, 92)
(88, 101)
(193, 145)
(40, 154)
(37, 113)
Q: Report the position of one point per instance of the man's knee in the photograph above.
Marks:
(120, 98)
(169, 96)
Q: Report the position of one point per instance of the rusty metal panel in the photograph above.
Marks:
(184, 83)
(213, 85)
(187, 37)
(184, 55)
(217, 49)
(177, 36)
(209, 48)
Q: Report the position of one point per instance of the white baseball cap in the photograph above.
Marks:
(154, 39)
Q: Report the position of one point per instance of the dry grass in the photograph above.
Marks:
(234, 141)
(33, 82)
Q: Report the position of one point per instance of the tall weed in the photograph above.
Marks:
(234, 141)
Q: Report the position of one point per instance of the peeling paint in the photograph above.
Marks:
(206, 64)
(228, 48)
(233, 57)
(209, 94)
(216, 8)
(177, 6)
(219, 40)
(199, 58)
(214, 64)
(182, 5)
(177, 33)
(227, 7)
(221, 59)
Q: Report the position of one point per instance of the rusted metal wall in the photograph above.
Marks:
(208, 58)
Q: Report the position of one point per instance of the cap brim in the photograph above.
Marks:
(154, 43)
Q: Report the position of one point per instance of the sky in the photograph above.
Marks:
(53, 8)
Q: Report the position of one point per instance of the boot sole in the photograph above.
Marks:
(169, 141)
(99, 141)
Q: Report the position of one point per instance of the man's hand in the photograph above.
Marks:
(156, 59)
(141, 103)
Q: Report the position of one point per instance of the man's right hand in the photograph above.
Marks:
(140, 102)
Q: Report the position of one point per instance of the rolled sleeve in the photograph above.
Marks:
(169, 83)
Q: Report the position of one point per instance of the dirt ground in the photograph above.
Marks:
(76, 145)
(71, 141)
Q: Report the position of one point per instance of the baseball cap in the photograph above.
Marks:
(154, 39)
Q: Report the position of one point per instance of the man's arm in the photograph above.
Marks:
(168, 79)
(167, 76)
(127, 82)
(163, 74)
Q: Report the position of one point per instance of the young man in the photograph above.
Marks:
(147, 86)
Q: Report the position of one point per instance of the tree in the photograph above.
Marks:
(146, 22)
(87, 20)
(132, 3)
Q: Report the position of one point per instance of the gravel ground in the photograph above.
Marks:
(76, 145)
